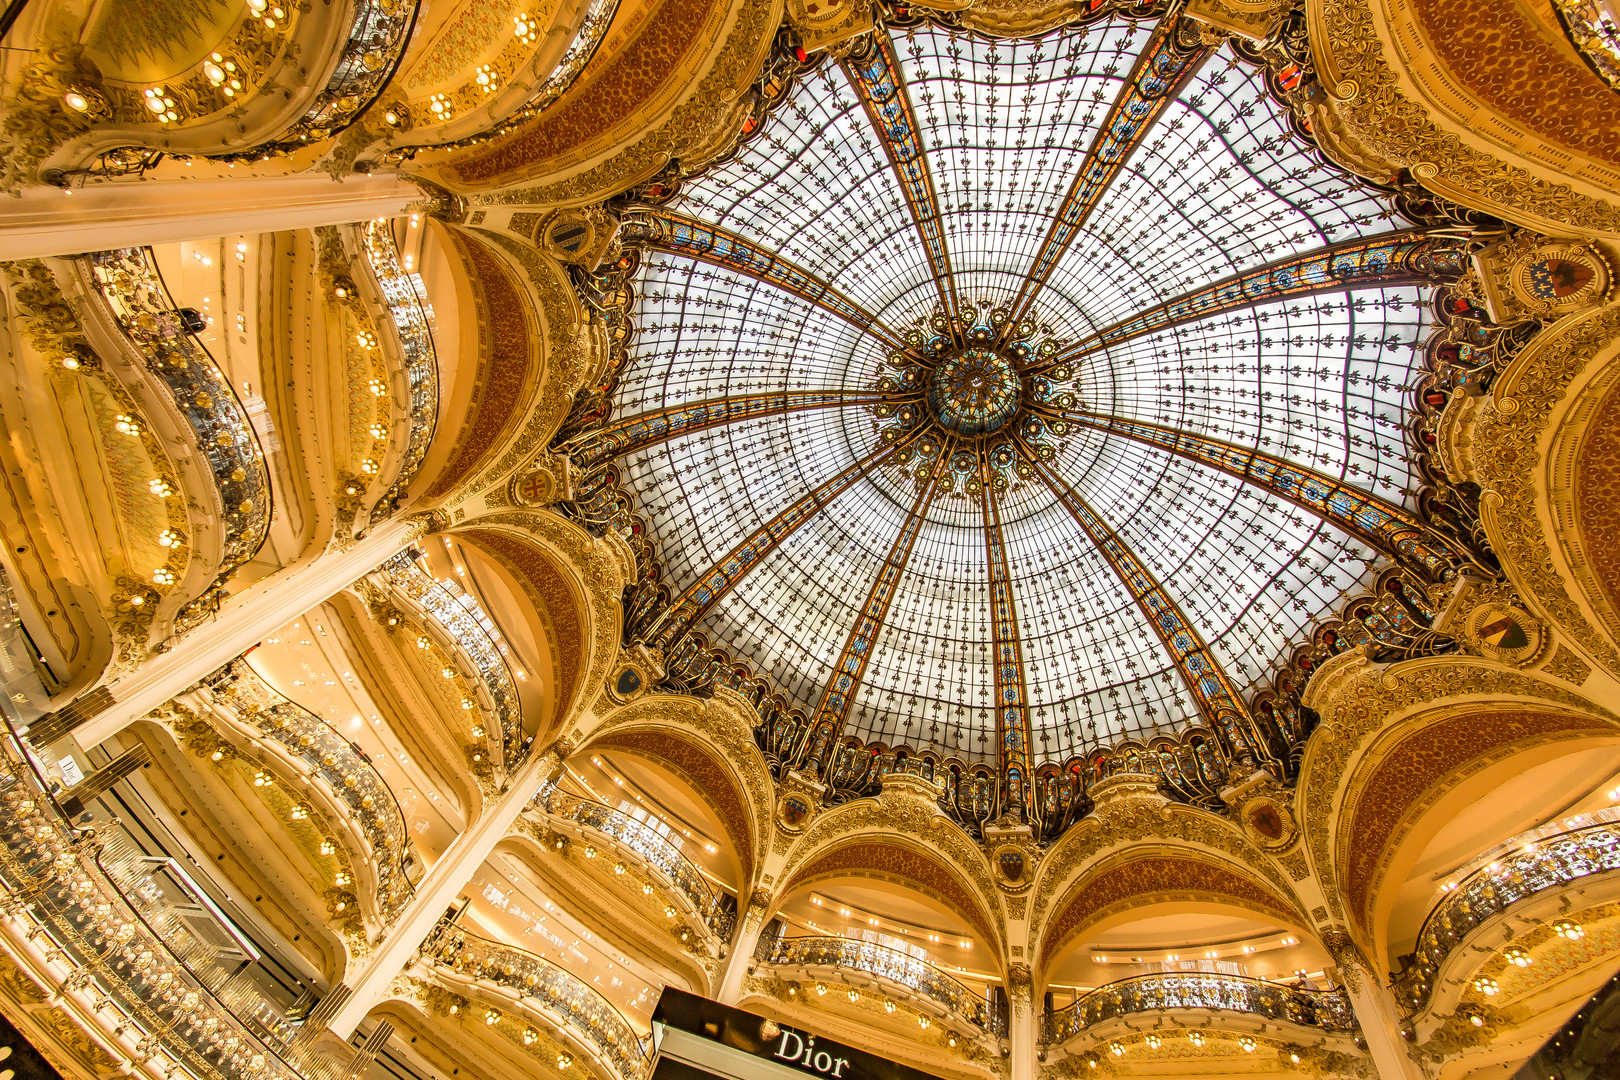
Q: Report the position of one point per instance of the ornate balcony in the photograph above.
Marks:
(1538, 864)
(1594, 27)
(653, 850)
(547, 988)
(351, 780)
(1329, 1011)
(893, 966)
(461, 619)
(127, 279)
(401, 292)
(159, 988)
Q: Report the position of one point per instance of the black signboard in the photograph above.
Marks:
(767, 1039)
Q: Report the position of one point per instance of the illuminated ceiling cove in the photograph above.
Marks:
(1004, 398)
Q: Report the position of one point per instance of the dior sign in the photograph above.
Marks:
(797, 1050)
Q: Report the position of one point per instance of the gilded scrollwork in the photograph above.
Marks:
(1367, 122)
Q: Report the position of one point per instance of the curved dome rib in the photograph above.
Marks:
(1216, 694)
(826, 726)
(876, 77)
(663, 230)
(1007, 654)
(1403, 258)
(1162, 69)
(719, 579)
(1381, 524)
(650, 429)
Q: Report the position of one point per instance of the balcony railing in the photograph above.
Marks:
(1594, 27)
(401, 292)
(462, 620)
(352, 779)
(1327, 1010)
(378, 33)
(128, 281)
(549, 988)
(894, 965)
(653, 848)
(84, 921)
(1539, 865)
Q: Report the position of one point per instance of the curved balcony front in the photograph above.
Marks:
(576, 1010)
(401, 295)
(894, 967)
(195, 391)
(1537, 864)
(1328, 1011)
(349, 781)
(651, 849)
(459, 619)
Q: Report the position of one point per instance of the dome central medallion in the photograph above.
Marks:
(974, 392)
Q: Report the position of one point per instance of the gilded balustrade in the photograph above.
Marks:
(127, 279)
(402, 293)
(1540, 864)
(1328, 1010)
(1594, 27)
(893, 965)
(656, 851)
(352, 779)
(460, 618)
(548, 988)
(53, 880)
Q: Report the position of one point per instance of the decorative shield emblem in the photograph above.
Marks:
(1267, 821)
(628, 683)
(795, 808)
(1012, 865)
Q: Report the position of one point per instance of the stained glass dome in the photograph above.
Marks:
(1007, 398)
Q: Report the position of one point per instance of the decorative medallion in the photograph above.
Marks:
(1011, 863)
(578, 237)
(627, 684)
(794, 810)
(1269, 823)
(1507, 633)
(1530, 275)
(534, 489)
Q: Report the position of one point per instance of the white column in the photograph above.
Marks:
(749, 927)
(1376, 1011)
(438, 890)
(50, 221)
(240, 624)
(1023, 1033)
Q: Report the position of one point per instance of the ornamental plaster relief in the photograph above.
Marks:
(1390, 105)
(1358, 700)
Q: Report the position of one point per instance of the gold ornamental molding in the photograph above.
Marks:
(1358, 699)
(1375, 121)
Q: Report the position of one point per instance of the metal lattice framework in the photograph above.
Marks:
(996, 401)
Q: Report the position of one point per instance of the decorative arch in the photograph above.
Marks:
(1161, 875)
(1408, 90)
(710, 744)
(575, 582)
(506, 375)
(1412, 764)
(655, 76)
(1358, 701)
(903, 861)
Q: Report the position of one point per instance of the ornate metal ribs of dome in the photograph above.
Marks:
(664, 230)
(1217, 697)
(1163, 67)
(649, 429)
(1007, 655)
(876, 78)
(719, 579)
(826, 726)
(1380, 524)
(1408, 257)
